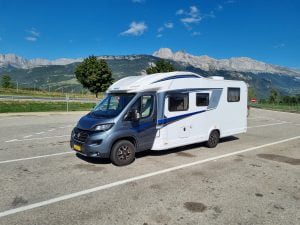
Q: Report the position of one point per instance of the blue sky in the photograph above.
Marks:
(267, 30)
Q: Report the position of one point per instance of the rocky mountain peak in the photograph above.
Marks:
(240, 64)
(165, 53)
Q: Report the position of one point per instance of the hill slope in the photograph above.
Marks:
(57, 77)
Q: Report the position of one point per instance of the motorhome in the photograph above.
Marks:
(159, 112)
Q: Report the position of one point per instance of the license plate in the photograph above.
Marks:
(77, 147)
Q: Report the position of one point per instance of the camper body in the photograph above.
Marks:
(159, 112)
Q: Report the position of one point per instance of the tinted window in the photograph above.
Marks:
(178, 102)
(233, 94)
(202, 99)
(146, 105)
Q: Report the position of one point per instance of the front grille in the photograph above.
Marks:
(80, 135)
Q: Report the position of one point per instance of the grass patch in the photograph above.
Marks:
(278, 107)
(34, 106)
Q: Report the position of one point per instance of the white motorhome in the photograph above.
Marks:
(162, 111)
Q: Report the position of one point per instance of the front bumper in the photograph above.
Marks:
(94, 144)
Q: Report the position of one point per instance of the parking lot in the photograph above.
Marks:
(253, 178)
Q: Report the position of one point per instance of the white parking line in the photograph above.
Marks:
(28, 136)
(121, 182)
(265, 118)
(267, 125)
(11, 118)
(11, 140)
(35, 157)
(31, 139)
(275, 111)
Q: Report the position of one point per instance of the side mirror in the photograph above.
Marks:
(133, 115)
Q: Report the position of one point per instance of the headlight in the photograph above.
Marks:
(103, 127)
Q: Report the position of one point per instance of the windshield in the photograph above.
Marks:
(112, 105)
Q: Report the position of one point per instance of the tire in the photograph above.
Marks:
(213, 140)
(122, 153)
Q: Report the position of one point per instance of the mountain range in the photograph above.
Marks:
(59, 73)
(241, 64)
(12, 60)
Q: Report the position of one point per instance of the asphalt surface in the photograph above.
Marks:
(253, 178)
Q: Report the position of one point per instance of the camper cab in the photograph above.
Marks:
(159, 112)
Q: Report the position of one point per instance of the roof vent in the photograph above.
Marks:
(216, 78)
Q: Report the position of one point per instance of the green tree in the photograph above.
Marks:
(274, 96)
(6, 81)
(251, 93)
(94, 74)
(160, 67)
(298, 98)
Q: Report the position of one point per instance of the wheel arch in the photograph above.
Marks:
(130, 138)
(217, 128)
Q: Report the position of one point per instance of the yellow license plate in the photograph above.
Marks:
(77, 147)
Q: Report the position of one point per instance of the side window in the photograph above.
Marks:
(178, 102)
(233, 94)
(146, 105)
(202, 99)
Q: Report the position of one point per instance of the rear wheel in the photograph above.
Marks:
(213, 140)
(122, 153)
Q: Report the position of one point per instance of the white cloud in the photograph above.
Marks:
(169, 25)
(32, 39)
(180, 12)
(194, 11)
(196, 33)
(33, 35)
(160, 29)
(191, 17)
(135, 29)
(220, 7)
(188, 20)
(33, 32)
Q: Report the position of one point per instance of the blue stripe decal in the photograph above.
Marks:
(142, 126)
(174, 118)
(177, 77)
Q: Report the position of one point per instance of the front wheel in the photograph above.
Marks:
(213, 140)
(122, 153)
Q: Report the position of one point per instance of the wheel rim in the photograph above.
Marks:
(124, 152)
(213, 138)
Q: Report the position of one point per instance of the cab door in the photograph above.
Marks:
(145, 127)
